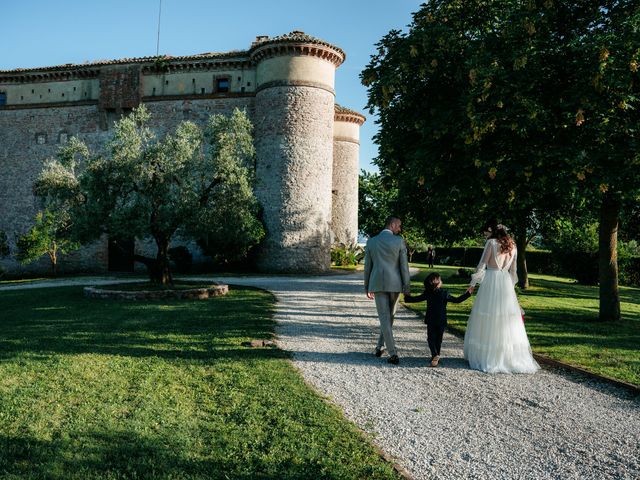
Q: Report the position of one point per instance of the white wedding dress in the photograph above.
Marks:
(495, 340)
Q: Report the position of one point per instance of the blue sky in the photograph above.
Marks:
(38, 33)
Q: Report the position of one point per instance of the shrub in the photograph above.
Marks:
(346, 255)
(630, 271)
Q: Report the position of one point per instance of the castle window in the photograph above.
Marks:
(49, 90)
(74, 89)
(242, 89)
(222, 85)
(166, 82)
(3, 98)
(41, 138)
(63, 94)
(154, 91)
(21, 97)
(193, 80)
(33, 91)
(248, 84)
(202, 90)
(63, 137)
(239, 78)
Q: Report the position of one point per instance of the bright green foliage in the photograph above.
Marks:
(230, 228)
(346, 255)
(376, 201)
(50, 235)
(575, 247)
(190, 183)
(414, 240)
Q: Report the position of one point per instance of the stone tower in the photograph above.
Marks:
(346, 150)
(294, 117)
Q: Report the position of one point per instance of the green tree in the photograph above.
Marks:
(376, 201)
(145, 187)
(50, 235)
(414, 240)
(464, 130)
(482, 110)
(606, 110)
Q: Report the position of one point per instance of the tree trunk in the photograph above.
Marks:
(54, 260)
(162, 259)
(608, 259)
(523, 275)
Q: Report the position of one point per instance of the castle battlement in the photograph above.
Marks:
(307, 146)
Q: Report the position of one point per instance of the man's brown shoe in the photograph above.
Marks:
(435, 360)
(394, 359)
(378, 352)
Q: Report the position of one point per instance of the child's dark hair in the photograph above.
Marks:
(432, 282)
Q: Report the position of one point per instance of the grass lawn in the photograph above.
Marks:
(562, 322)
(114, 389)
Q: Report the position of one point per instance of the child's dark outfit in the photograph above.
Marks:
(436, 314)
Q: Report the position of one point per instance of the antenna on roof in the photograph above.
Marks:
(158, 42)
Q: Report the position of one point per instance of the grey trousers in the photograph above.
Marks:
(386, 304)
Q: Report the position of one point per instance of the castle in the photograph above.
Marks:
(306, 146)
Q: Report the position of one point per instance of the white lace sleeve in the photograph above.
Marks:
(513, 269)
(478, 276)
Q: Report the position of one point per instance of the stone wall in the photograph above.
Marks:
(345, 192)
(294, 144)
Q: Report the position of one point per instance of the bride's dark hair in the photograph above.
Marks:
(499, 232)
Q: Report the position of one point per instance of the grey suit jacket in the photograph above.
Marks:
(385, 264)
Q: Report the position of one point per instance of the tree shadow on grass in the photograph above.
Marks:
(63, 321)
(125, 454)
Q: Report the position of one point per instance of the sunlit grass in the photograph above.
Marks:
(165, 389)
(22, 280)
(562, 322)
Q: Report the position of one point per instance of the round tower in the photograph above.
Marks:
(346, 150)
(294, 115)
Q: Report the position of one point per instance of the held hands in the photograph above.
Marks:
(470, 290)
(370, 295)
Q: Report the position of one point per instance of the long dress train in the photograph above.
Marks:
(496, 340)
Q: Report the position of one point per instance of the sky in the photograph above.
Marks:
(39, 33)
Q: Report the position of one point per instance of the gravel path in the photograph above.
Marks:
(449, 422)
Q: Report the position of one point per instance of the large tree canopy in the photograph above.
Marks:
(483, 107)
(190, 184)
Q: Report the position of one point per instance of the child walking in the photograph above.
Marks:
(436, 314)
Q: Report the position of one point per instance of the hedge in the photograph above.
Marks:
(583, 266)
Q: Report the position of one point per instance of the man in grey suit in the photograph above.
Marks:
(386, 274)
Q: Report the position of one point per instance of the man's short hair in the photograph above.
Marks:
(391, 219)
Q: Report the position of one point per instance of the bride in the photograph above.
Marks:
(496, 341)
